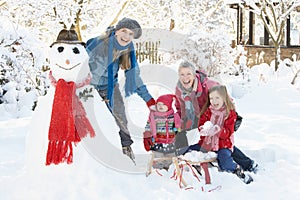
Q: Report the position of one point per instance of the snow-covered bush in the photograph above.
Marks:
(22, 79)
(208, 51)
(294, 65)
(211, 51)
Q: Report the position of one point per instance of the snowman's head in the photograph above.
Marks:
(68, 58)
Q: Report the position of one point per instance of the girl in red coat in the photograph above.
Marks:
(216, 126)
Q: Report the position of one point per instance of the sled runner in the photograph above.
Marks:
(179, 163)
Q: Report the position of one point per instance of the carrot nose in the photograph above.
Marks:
(67, 62)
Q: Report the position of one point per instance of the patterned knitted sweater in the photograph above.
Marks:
(162, 126)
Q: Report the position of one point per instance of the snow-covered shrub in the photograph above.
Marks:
(210, 51)
(22, 79)
(295, 67)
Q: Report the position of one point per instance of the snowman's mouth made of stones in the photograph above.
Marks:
(67, 68)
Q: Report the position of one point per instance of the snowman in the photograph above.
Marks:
(72, 122)
(69, 123)
(60, 116)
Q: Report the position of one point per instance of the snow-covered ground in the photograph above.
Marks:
(269, 134)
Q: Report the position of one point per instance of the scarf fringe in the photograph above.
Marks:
(59, 152)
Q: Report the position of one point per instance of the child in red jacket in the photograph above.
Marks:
(161, 128)
(216, 126)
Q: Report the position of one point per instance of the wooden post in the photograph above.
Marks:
(288, 32)
(149, 171)
(251, 29)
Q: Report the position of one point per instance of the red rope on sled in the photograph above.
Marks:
(216, 188)
(158, 172)
(195, 175)
(174, 174)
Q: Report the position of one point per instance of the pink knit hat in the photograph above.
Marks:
(166, 99)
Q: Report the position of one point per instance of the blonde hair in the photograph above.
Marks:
(124, 58)
(124, 55)
(222, 91)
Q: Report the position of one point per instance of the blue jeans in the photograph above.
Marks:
(237, 155)
(241, 159)
(225, 160)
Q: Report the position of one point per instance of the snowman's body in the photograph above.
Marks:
(70, 62)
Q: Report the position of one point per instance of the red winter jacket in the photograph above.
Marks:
(226, 139)
(201, 96)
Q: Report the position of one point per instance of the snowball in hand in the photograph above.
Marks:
(205, 128)
(207, 125)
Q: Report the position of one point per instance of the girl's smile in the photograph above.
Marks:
(124, 36)
(216, 100)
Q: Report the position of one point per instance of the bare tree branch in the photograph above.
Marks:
(13, 43)
(295, 77)
(2, 3)
(124, 6)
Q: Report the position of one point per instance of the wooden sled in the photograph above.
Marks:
(202, 163)
(179, 163)
(152, 160)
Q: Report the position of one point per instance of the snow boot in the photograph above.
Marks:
(254, 167)
(128, 152)
(246, 178)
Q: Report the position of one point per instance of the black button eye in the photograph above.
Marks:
(60, 49)
(76, 50)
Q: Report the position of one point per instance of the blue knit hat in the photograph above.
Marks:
(130, 24)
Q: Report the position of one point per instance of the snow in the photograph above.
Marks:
(268, 134)
(269, 105)
(207, 125)
(196, 156)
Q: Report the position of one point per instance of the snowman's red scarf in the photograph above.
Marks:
(68, 122)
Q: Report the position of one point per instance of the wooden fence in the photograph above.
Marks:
(265, 54)
(255, 54)
(148, 50)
